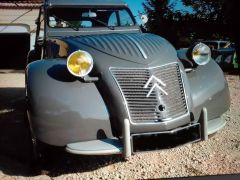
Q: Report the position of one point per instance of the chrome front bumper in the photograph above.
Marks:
(126, 146)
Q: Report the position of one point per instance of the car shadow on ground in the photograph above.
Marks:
(13, 137)
(16, 148)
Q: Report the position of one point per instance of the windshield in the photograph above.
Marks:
(89, 17)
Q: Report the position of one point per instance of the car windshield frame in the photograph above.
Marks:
(92, 9)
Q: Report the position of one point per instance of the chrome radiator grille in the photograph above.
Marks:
(160, 105)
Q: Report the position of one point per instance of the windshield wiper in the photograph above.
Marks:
(73, 26)
(103, 23)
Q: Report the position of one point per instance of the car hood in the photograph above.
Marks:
(123, 52)
(135, 47)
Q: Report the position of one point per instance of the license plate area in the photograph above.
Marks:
(167, 139)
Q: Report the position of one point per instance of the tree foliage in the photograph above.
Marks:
(206, 10)
(161, 18)
(159, 12)
(182, 27)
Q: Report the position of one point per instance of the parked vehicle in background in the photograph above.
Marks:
(216, 44)
(97, 85)
(224, 53)
(226, 57)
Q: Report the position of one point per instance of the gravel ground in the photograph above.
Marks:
(219, 155)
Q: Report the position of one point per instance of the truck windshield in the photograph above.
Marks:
(89, 18)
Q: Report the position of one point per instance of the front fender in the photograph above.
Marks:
(62, 109)
(209, 89)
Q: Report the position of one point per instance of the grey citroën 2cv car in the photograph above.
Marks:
(97, 85)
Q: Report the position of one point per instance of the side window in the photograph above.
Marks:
(112, 21)
(222, 45)
(228, 59)
(218, 59)
(125, 18)
(212, 45)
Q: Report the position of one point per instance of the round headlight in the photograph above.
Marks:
(201, 54)
(80, 63)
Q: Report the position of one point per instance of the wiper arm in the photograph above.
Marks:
(103, 23)
(73, 26)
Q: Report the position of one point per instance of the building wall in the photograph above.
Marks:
(9, 15)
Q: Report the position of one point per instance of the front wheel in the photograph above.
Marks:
(39, 150)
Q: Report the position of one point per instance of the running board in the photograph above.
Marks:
(96, 147)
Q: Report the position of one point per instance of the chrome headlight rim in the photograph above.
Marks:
(89, 57)
(201, 54)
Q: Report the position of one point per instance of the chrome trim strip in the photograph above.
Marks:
(126, 104)
(155, 85)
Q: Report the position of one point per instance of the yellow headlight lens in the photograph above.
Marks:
(80, 63)
(201, 54)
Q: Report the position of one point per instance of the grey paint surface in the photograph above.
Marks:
(202, 89)
(209, 90)
(135, 47)
(96, 147)
(65, 110)
(62, 108)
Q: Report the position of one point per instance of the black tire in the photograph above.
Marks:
(41, 155)
(212, 135)
(39, 151)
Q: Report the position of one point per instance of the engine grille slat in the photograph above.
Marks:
(136, 107)
(146, 112)
(137, 102)
(126, 78)
(158, 106)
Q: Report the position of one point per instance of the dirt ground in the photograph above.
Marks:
(219, 155)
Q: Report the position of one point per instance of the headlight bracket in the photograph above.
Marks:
(89, 79)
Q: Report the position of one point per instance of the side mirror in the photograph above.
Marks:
(144, 19)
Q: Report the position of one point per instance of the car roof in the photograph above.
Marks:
(85, 3)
